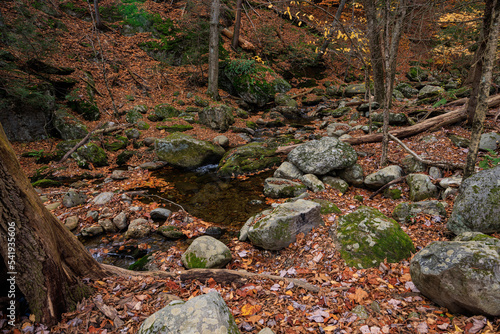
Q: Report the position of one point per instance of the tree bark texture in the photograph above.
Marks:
(49, 260)
(237, 25)
(477, 70)
(213, 51)
(336, 19)
(491, 37)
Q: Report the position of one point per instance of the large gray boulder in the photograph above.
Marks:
(68, 126)
(322, 156)
(206, 252)
(218, 117)
(282, 188)
(287, 171)
(461, 275)
(489, 141)
(248, 159)
(367, 237)
(73, 198)
(383, 176)
(279, 228)
(405, 211)
(477, 207)
(421, 187)
(430, 91)
(202, 314)
(354, 175)
(181, 150)
(394, 118)
(313, 183)
(138, 228)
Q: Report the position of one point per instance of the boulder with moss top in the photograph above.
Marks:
(282, 188)
(477, 207)
(276, 229)
(202, 314)
(218, 117)
(248, 159)
(206, 252)
(383, 176)
(68, 126)
(93, 154)
(183, 151)
(421, 187)
(366, 237)
(322, 156)
(461, 275)
(405, 211)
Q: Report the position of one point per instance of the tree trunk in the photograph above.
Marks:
(213, 51)
(237, 25)
(376, 55)
(491, 37)
(40, 254)
(477, 70)
(336, 19)
(98, 22)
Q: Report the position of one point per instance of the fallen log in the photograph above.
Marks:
(429, 124)
(219, 275)
(245, 45)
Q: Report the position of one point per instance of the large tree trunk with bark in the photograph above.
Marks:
(491, 29)
(44, 258)
(237, 25)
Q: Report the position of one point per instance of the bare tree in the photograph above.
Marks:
(45, 260)
(486, 57)
(98, 21)
(213, 51)
(385, 21)
(237, 25)
(336, 19)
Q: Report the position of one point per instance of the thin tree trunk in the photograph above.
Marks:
(477, 71)
(213, 52)
(45, 259)
(484, 86)
(237, 25)
(98, 22)
(376, 54)
(336, 19)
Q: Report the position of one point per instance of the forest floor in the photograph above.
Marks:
(390, 301)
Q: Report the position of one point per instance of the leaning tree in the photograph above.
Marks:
(49, 261)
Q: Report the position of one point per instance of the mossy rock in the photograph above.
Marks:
(327, 207)
(200, 102)
(141, 125)
(140, 264)
(404, 212)
(162, 112)
(417, 74)
(175, 127)
(171, 232)
(115, 145)
(248, 159)
(124, 157)
(255, 83)
(367, 237)
(133, 116)
(45, 183)
(68, 126)
(94, 154)
(392, 193)
(183, 151)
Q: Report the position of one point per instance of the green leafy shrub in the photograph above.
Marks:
(489, 160)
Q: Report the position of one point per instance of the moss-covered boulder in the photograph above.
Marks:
(320, 157)
(133, 116)
(327, 207)
(248, 159)
(430, 91)
(68, 126)
(282, 188)
(255, 83)
(405, 211)
(116, 143)
(477, 207)
(461, 275)
(421, 187)
(407, 90)
(354, 175)
(367, 237)
(183, 151)
(394, 118)
(93, 154)
(170, 232)
(217, 117)
(355, 89)
(124, 157)
(417, 74)
(207, 313)
(336, 183)
(278, 228)
(206, 252)
(383, 176)
(162, 112)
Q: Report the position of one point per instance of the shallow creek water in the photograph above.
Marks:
(228, 203)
